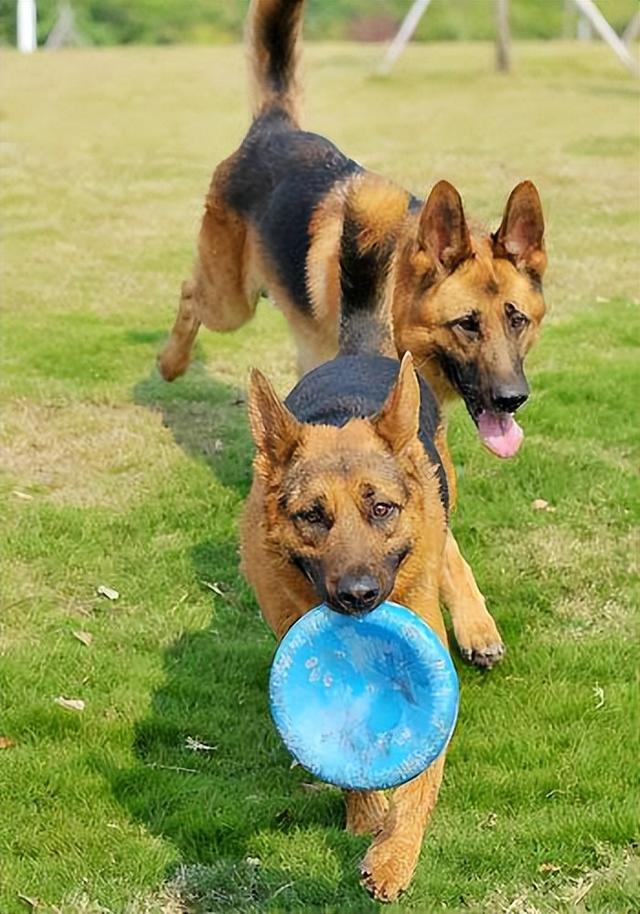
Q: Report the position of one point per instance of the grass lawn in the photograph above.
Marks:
(111, 477)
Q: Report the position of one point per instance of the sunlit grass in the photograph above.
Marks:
(110, 476)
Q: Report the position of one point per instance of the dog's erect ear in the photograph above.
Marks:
(398, 420)
(520, 237)
(275, 430)
(442, 230)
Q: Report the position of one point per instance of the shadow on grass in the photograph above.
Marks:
(207, 419)
(213, 778)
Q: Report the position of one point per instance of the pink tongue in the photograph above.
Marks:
(500, 433)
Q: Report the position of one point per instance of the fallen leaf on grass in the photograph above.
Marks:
(108, 592)
(539, 504)
(24, 495)
(598, 696)
(172, 768)
(548, 868)
(490, 822)
(553, 794)
(83, 637)
(581, 893)
(215, 587)
(70, 704)
(179, 602)
(196, 746)
(6, 743)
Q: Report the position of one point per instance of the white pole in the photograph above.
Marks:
(583, 29)
(406, 30)
(26, 26)
(503, 36)
(591, 12)
(632, 30)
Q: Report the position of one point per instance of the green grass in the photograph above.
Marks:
(138, 485)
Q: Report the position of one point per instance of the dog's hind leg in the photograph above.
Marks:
(174, 358)
(475, 630)
(223, 293)
(366, 811)
(391, 860)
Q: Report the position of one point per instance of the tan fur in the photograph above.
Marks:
(232, 266)
(378, 206)
(422, 323)
(366, 811)
(373, 451)
(224, 290)
(440, 271)
(323, 268)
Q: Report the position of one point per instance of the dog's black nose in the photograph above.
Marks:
(507, 398)
(357, 592)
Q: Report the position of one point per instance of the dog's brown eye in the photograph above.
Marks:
(517, 319)
(312, 516)
(469, 323)
(382, 509)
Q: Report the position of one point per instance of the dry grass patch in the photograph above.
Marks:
(589, 576)
(586, 615)
(83, 454)
(557, 548)
(166, 901)
(576, 893)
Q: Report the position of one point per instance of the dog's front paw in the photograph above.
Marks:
(479, 642)
(387, 869)
(486, 657)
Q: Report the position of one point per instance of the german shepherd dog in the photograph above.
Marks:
(349, 506)
(466, 305)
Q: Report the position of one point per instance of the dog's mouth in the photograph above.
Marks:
(499, 432)
(354, 599)
(356, 607)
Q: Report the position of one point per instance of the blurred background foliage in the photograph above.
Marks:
(109, 22)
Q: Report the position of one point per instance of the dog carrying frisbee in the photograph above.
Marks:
(349, 507)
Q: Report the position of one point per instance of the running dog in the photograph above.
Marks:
(467, 305)
(349, 506)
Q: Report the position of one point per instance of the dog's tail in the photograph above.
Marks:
(373, 213)
(272, 32)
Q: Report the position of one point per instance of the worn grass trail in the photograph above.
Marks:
(111, 477)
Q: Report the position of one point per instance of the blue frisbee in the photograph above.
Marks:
(364, 702)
